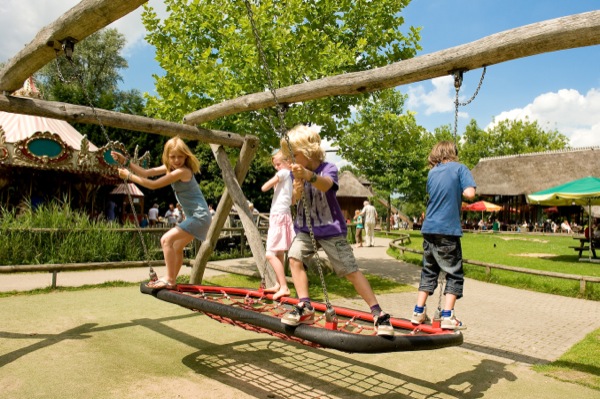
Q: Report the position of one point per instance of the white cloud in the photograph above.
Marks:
(21, 20)
(439, 99)
(332, 156)
(575, 115)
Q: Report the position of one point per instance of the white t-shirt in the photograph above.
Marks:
(153, 213)
(370, 214)
(282, 198)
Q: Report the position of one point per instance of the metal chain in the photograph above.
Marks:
(79, 78)
(458, 78)
(263, 58)
(330, 313)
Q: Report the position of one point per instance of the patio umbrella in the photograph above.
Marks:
(585, 192)
(484, 206)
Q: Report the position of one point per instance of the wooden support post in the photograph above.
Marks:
(247, 153)
(54, 275)
(582, 286)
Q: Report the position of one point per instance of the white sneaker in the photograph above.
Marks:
(299, 315)
(419, 318)
(382, 325)
(452, 323)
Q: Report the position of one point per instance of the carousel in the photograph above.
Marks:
(44, 159)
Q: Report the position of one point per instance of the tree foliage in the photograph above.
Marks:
(91, 78)
(508, 137)
(387, 146)
(209, 54)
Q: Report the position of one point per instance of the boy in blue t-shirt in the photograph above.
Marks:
(447, 181)
(319, 181)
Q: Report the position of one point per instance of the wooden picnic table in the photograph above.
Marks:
(584, 245)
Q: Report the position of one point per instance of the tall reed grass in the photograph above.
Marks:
(54, 233)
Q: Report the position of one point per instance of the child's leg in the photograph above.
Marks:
(299, 277)
(422, 298)
(173, 242)
(449, 301)
(281, 289)
(362, 287)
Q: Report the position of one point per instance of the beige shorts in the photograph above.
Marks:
(337, 249)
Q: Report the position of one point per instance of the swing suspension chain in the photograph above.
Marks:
(330, 313)
(458, 78)
(79, 77)
(263, 59)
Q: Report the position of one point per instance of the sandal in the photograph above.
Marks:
(160, 284)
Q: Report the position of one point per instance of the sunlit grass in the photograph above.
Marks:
(581, 364)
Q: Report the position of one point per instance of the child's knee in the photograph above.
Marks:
(295, 263)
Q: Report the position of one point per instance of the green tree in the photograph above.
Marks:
(508, 137)
(91, 78)
(208, 52)
(387, 146)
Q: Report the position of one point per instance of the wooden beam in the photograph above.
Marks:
(573, 31)
(82, 114)
(78, 23)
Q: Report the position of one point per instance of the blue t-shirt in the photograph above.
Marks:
(325, 212)
(445, 185)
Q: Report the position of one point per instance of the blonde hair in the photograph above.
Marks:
(444, 151)
(279, 155)
(177, 144)
(305, 140)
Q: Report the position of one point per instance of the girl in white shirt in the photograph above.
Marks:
(281, 230)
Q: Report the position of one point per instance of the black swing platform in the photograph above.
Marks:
(256, 311)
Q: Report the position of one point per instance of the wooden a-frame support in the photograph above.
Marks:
(90, 16)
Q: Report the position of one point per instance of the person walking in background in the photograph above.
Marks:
(153, 215)
(178, 169)
(171, 215)
(358, 219)
(316, 182)
(447, 182)
(369, 214)
(281, 229)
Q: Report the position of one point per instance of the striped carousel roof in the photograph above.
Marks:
(19, 126)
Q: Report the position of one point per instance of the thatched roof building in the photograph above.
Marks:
(509, 179)
(527, 173)
(354, 191)
(351, 193)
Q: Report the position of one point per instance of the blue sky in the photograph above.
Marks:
(561, 90)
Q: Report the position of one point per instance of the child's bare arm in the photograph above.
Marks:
(270, 183)
(321, 183)
(469, 193)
